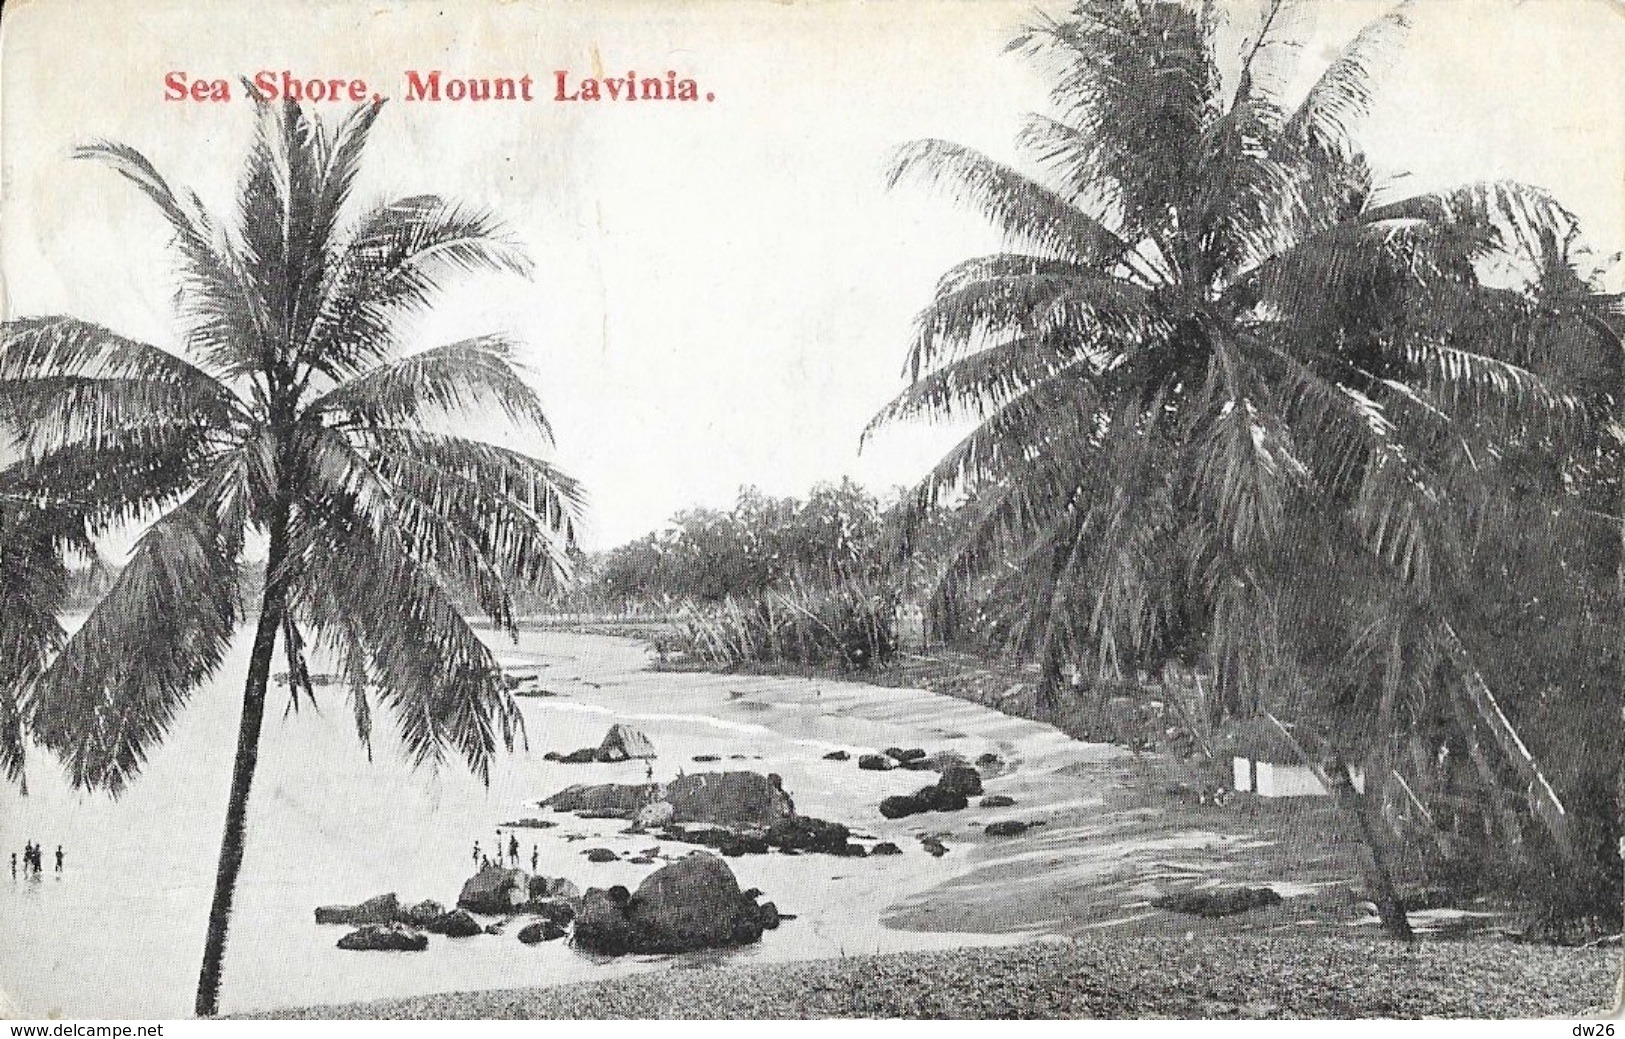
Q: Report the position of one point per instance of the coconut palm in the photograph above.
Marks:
(1225, 385)
(293, 420)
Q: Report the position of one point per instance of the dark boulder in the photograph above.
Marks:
(1007, 828)
(885, 848)
(733, 845)
(693, 903)
(934, 798)
(735, 799)
(996, 801)
(601, 924)
(494, 891)
(962, 780)
(558, 910)
(604, 800)
(768, 915)
(805, 833)
(876, 763)
(622, 743)
(582, 756)
(854, 851)
(424, 913)
(707, 757)
(837, 755)
(601, 855)
(934, 847)
(540, 931)
(455, 924)
(900, 806)
(551, 887)
(384, 938)
(900, 755)
(988, 759)
(916, 765)
(380, 909)
(1214, 902)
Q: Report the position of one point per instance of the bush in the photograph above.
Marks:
(847, 625)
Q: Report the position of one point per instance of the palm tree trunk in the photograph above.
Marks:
(1359, 809)
(242, 776)
(1356, 811)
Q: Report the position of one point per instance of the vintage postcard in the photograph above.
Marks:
(826, 509)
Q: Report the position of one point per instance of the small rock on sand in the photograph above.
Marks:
(996, 801)
(540, 931)
(455, 924)
(837, 755)
(384, 938)
(1007, 828)
(380, 909)
(876, 763)
(601, 855)
(1222, 901)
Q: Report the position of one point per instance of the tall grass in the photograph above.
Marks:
(848, 625)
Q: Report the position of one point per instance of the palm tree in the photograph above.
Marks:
(293, 414)
(1223, 382)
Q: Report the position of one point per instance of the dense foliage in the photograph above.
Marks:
(1243, 405)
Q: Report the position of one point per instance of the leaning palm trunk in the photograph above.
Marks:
(1356, 809)
(233, 841)
(1546, 805)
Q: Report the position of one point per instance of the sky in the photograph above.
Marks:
(723, 290)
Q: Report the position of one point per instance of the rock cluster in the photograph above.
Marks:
(391, 937)
(604, 800)
(495, 891)
(693, 903)
(383, 924)
(380, 909)
(950, 793)
(735, 813)
(620, 743)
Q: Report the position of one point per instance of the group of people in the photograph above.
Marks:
(483, 860)
(34, 860)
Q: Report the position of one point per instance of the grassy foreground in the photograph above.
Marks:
(1207, 977)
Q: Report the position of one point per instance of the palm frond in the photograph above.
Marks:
(438, 679)
(33, 590)
(1029, 215)
(447, 380)
(1138, 83)
(171, 612)
(399, 258)
(1330, 114)
(217, 302)
(1049, 305)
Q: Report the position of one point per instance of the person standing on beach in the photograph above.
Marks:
(513, 851)
(59, 858)
(476, 853)
(13, 865)
(533, 856)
